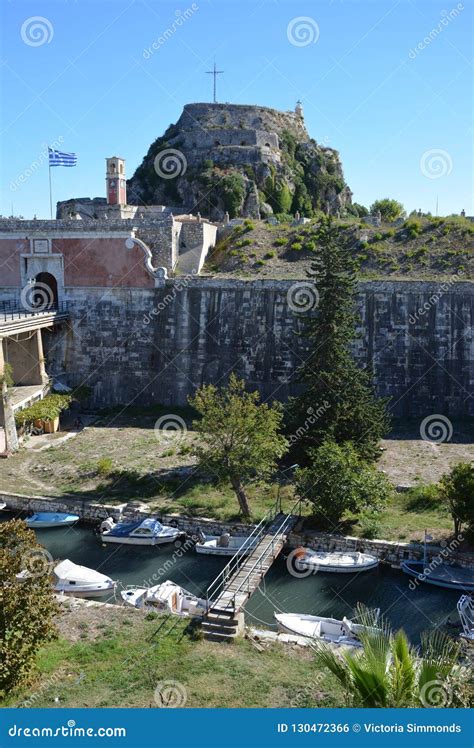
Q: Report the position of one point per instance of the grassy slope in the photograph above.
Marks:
(111, 463)
(423, 248)
(121, 664)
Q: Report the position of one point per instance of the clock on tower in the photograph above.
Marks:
(115, 181)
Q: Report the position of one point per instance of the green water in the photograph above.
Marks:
(332, 595)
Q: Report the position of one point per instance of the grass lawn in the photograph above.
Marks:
(117, 658)
(123, 457)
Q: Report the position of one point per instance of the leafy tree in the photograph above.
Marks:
(331, 377)
(388, 671)
(240, 436)
(232, 189)
(27, 607)
(356, 209)
(337, 480)
(457, 488)
(389, 209)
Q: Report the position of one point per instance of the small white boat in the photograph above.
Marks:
(341, 563)
(225, 545)
(143, 532)
(2, 505)
(51, 519)
(465, 608)
(72, 579)
(329, 630)
(166, 597)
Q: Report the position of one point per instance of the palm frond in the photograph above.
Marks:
(371, 687)
(403, 673)
(325, 657)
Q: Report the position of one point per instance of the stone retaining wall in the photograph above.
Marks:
(387, 551)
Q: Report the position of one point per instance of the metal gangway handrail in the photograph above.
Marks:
(12, 309)
(228, 570)
(234, 562)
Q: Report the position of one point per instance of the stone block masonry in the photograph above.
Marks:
(145, 346)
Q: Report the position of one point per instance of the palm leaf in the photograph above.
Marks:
(402, 671)
(326, 657)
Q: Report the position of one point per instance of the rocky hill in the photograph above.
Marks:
(246, 160)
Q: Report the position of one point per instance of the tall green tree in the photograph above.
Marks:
(27, 605)
(336, 389)
(239, 436)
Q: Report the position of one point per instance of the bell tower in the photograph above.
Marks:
(115, 181)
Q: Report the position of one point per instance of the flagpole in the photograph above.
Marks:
(50, 189)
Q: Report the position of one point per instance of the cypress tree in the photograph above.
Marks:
(338, 400)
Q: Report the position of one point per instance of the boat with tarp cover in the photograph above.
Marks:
(142, 532)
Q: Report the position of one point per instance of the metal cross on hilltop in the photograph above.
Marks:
(215, 73)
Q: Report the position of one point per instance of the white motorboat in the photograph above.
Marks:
(2, 505)
(330, 630)
(72, 579)
(225, 544)
(166, 597)
(143, 532)
(344, 562)
(51, 519)
(466, 614)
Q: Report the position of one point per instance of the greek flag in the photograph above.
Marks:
(57, 158)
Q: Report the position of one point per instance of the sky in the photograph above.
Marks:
(387, 83)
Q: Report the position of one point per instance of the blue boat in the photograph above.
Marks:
(451, 577)
(51, 519)
(143, 532)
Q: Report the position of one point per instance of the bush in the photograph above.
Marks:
(244, 243)
(389, 209)
(338, 480)
(310, 246)
(280, 241)
(297, 246)
(457, 489)
(46, 409)
(269, 255)
(104, 466)
(370, 526)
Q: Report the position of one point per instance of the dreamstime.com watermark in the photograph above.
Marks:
(178, 286)
(435, 297)
(302, 31)
(66, 731)
(181, 18)
(436, 561)
(314, 414)
(436, 428)
(36, 164)
(447, 17)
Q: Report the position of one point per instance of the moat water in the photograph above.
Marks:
(333, 595)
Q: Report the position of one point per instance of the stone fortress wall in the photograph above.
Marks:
(156, 346)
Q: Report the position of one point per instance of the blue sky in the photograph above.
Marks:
(400, 115)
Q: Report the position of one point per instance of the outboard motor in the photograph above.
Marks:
(223, 541)
(106, 525)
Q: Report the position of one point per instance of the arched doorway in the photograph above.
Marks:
(44, 294)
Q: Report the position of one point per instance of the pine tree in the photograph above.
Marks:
(338, 400)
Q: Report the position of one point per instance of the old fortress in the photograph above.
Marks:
(129, 313)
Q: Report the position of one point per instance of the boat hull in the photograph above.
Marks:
(348, 563)
(338, 636)
(139, 541)
(84, 591)
(442, 576)
(55, 520)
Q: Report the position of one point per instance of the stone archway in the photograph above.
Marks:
(45, 291)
